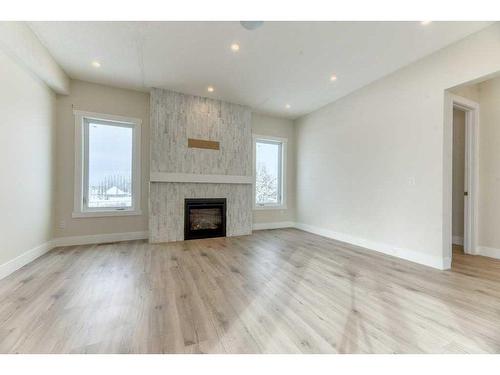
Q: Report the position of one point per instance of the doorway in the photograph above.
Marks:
(459, 191)
(464, 169)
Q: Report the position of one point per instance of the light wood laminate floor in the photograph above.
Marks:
(276, 291)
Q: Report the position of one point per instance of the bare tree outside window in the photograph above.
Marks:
(268, 168)
(266, 187)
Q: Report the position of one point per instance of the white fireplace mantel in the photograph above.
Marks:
(200, 178)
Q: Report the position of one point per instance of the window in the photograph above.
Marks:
(269, 172)
(107, 175)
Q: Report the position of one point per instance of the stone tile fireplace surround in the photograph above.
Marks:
(179, 172)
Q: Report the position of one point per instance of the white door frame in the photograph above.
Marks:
(471, 110)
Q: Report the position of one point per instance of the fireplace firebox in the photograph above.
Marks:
(204, 218)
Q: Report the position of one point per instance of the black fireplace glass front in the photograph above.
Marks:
(204, 218)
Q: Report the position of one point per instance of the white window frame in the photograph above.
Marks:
(80, 209)
(271, 206)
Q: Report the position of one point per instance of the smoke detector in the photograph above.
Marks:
(251, 25)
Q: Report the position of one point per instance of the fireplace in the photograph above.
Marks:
(204, 218)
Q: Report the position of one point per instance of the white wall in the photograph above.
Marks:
(17, 39)
(278, 127)
(103, 99)
(469, 91)
(372, 167)
(458, 175)
(27, 129)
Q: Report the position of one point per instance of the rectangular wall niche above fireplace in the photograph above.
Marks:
(204, 218)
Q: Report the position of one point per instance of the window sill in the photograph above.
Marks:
(270, 207)
(77, 215)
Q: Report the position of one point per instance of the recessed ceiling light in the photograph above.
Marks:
(333, 77)
(210, 89)
(96, 64)
(235, 47)
(288, 106)
(425, 22)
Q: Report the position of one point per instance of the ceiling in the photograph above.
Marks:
(280, 63)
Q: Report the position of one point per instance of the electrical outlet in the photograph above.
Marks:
(412, 181)
(62, 224)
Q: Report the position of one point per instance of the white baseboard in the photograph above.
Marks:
(488, 252)
(273, 225)
(99, 238)
(458, 240)
(14, 264)
(411, 255)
